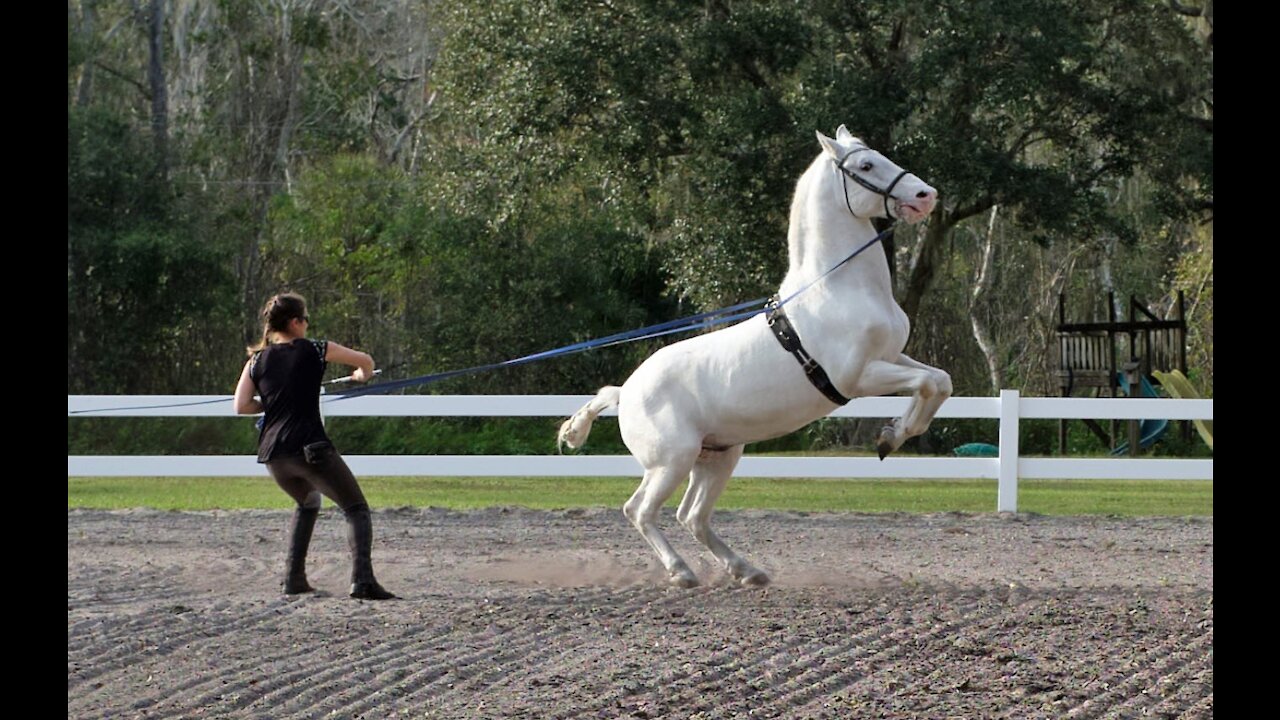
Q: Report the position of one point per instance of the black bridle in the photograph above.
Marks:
(844, 184)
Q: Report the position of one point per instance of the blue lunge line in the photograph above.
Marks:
(148, 407)
(707, 319)
(704, 320)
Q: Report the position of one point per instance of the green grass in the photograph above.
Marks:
(1047, 497)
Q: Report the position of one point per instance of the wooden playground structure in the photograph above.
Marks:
(1121, 358)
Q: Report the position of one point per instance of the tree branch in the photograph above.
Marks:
(141, 88)
(982, 204)
(1205, 124)
(895, 40)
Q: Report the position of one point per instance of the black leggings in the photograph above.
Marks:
(305, 482)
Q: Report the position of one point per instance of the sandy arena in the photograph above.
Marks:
(514, 613)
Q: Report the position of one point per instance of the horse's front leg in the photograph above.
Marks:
(929, 388)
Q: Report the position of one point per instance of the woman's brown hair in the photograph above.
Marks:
(276, 314)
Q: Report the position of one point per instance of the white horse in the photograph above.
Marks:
(687, 411)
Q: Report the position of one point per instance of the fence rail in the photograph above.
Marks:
(1009, 408)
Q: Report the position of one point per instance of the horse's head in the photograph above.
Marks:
(880, 187)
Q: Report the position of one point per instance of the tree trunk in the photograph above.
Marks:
(1108, 280)
(159, 96)
(981, 332)
(925, 263)
(84, 87)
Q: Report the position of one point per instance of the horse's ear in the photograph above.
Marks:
(843, 134)
(831, 146)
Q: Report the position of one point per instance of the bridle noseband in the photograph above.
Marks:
(844, 184)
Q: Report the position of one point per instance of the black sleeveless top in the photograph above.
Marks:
(287, 377)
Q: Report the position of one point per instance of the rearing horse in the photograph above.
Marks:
(689, 409)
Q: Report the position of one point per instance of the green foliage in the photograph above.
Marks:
(161, 436)
(141, 283)
(1193, 274)
(111, 180)
(1032, 105)
(426, 289)
(462, 184)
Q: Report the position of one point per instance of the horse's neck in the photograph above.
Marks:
(823, 232)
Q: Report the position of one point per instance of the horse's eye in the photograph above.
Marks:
(865, 167)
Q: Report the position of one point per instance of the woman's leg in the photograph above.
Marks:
(290, 479)
(333, 478)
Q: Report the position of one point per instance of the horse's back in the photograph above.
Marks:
(737, 384)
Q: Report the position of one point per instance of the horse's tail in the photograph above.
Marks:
(574, 431)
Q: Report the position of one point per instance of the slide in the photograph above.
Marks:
(1177, 385)
(1148, 430)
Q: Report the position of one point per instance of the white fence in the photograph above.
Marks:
(1006, 469)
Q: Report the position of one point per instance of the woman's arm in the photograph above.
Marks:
(245, 403)
(363, 362)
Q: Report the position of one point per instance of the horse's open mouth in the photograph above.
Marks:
(910, 210)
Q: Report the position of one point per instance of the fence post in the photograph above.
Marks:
(1007, 490)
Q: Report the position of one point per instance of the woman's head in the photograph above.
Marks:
(278, 316)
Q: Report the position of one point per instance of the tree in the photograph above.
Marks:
(145, 294)
(156, 82)
(617, 163)
(707, 112)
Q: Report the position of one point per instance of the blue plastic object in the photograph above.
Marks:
(1149, 431)
(977, 450)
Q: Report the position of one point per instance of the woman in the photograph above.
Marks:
(285, 371)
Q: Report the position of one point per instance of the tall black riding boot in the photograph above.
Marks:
(300, 527)
(360, 541)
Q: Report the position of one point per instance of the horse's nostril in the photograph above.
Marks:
(924, 193)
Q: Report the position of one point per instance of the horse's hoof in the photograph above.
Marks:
(683, 578)
(296, 586)
(755, 579)
(884, 445)
(371, 590)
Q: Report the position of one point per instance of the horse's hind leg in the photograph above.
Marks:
(710, 475)
(642, 510)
